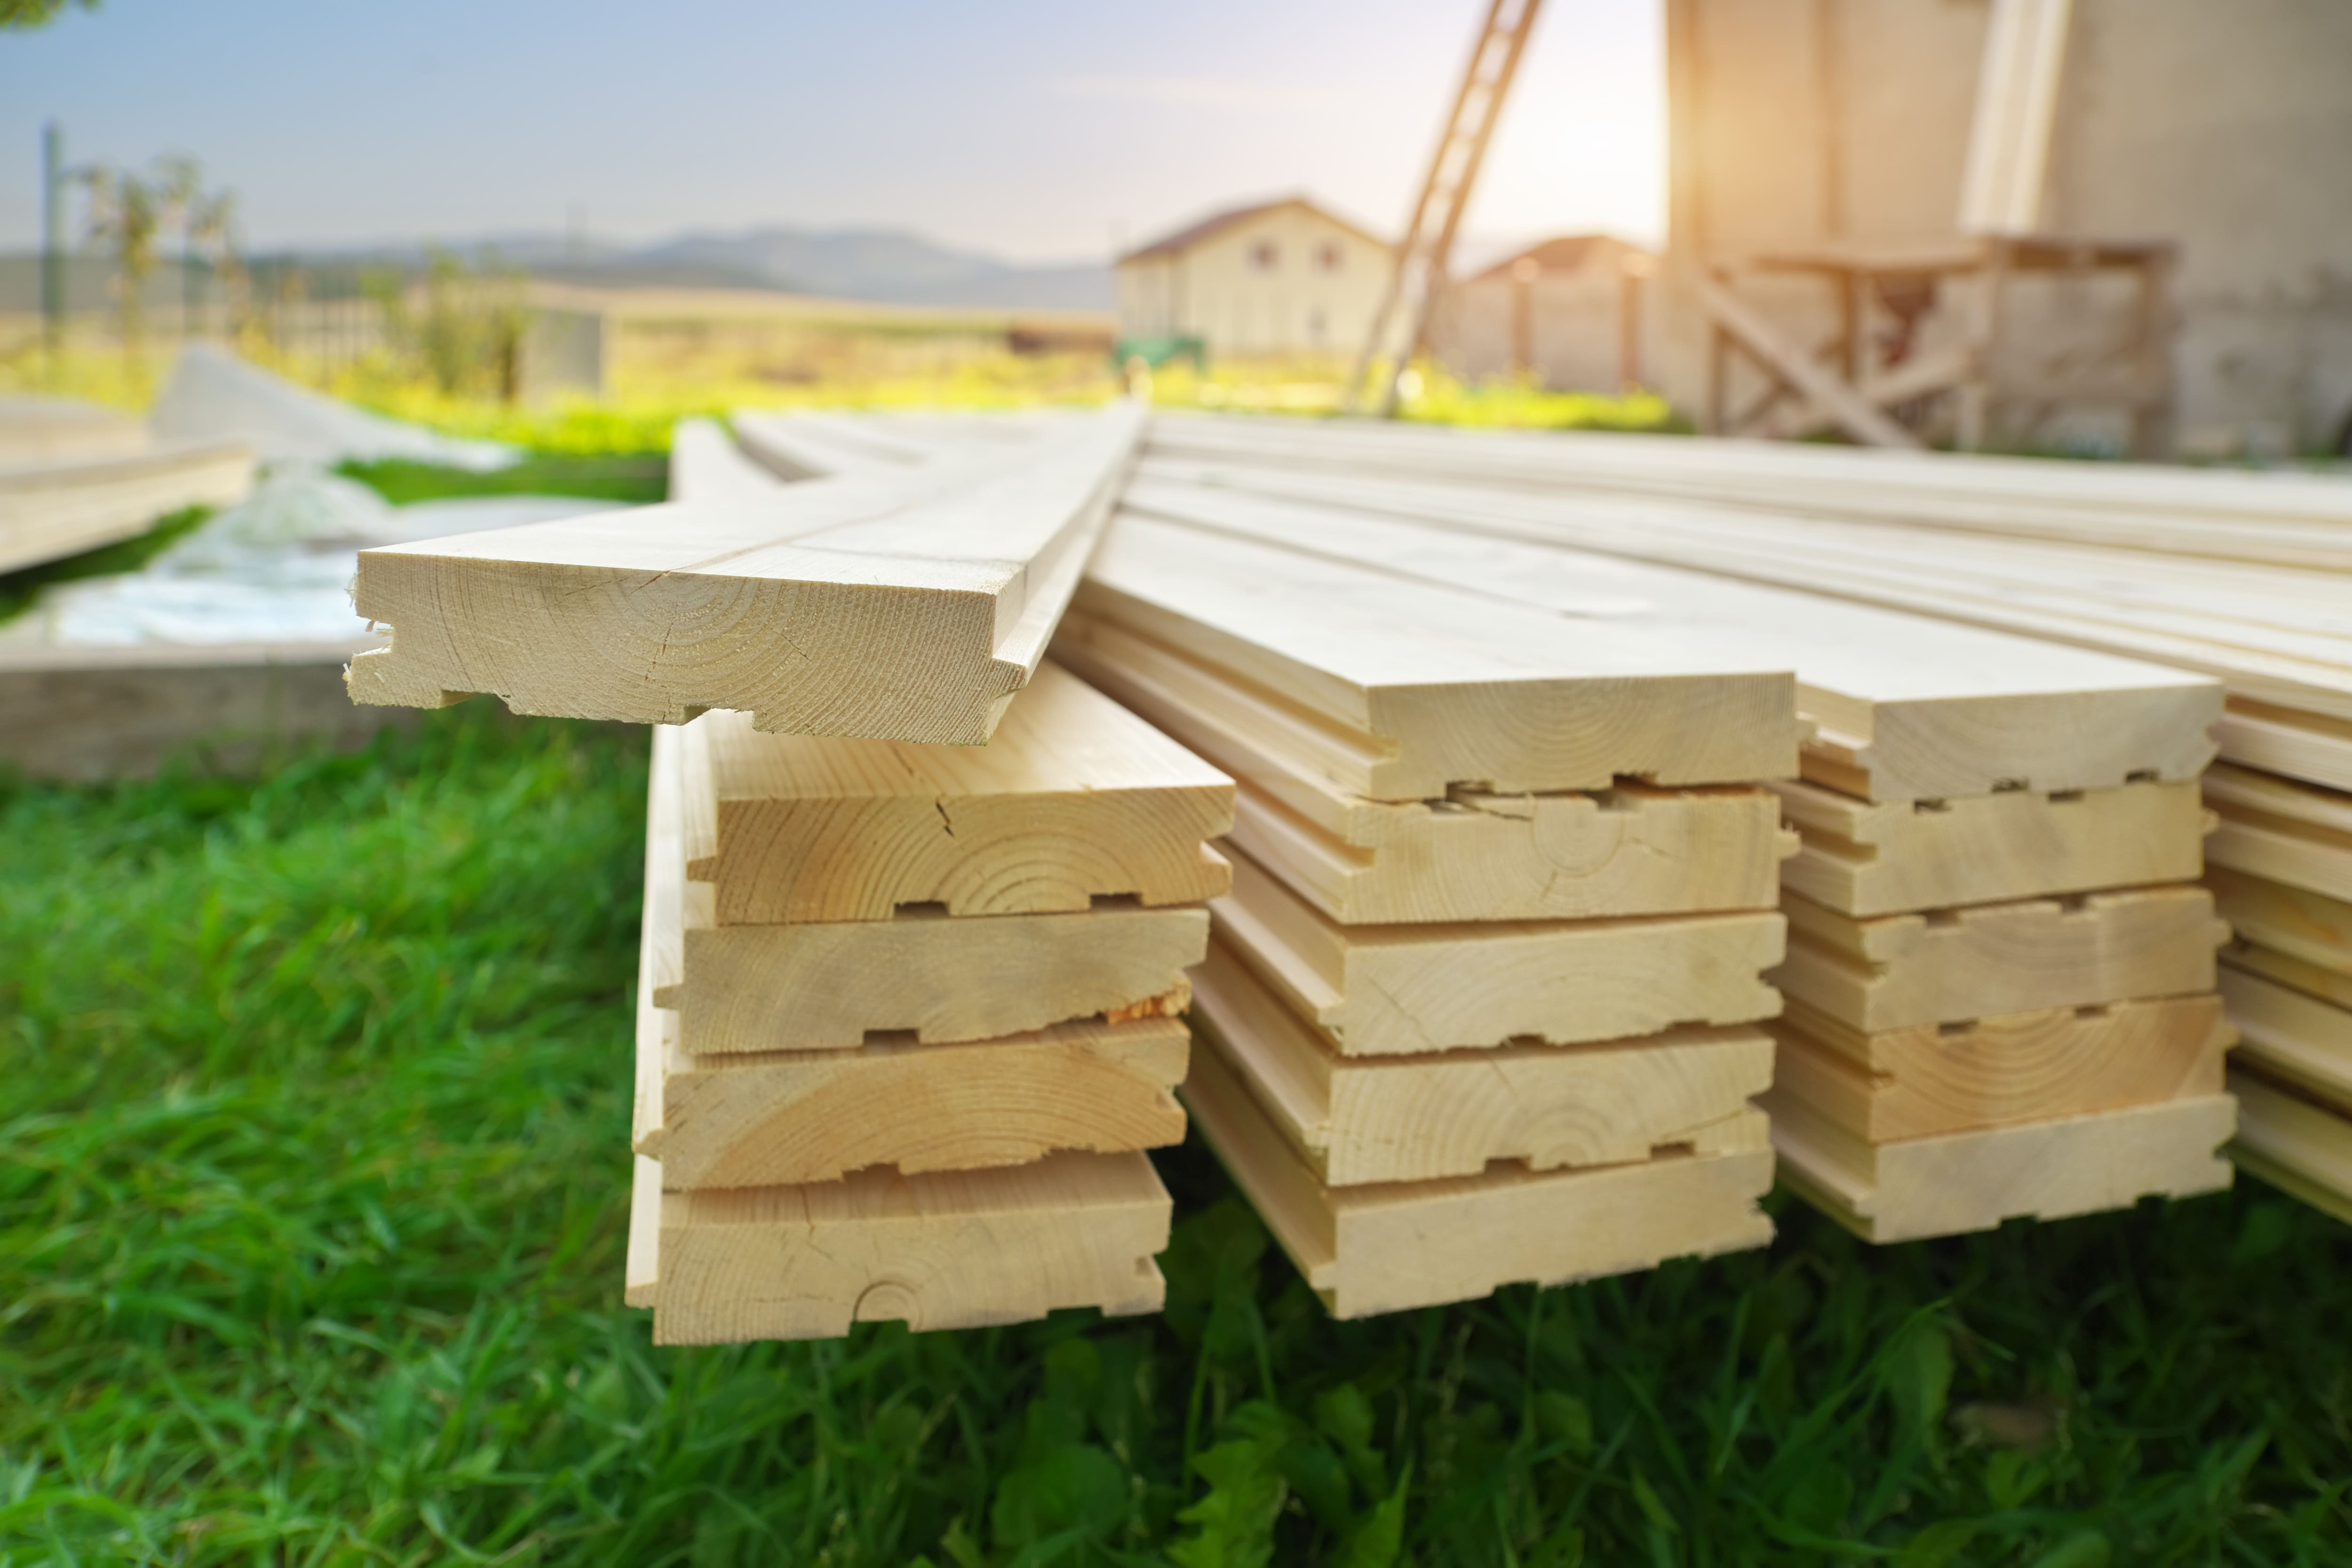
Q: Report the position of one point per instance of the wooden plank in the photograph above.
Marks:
(706, 465)
(640, 1273)
(1471, 856)
(1076, 799)
(956, 1250)
(2307, 927)
(787, 1118)
(1906, 708)
(57, 507)
(1860, 859)
(2331, 986)
(899, 608)
(1945, 967)
(1357, 1120)
(1962, 1182)
(1928, 1080)
(46, 430)
(2303, 1149)
(1417, 688)
(2285, 831)
(2291, 1035)
(1400, 990)
(2307, 746)
(1365, 1250)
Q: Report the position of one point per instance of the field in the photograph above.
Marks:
(313, 1111)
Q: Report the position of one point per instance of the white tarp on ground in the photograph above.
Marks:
(211, 395)
(275, 568)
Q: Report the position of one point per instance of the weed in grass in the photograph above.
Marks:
(312, 1193)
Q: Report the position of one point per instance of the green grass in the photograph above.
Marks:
(641, 477)
(312, 1196)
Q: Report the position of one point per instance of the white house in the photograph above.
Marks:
(1282, 277)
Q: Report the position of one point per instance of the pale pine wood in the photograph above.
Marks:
(1076, 799)
(61, 506)
(2282, 829)
(1960, 1181)
(2307, 746)
(1418, 687)
(2302, 925)
(955, 1250)
(2302, 1149)
(1927, 1080)
(907, 608)
(46, 429)
(1472, 856)
(783, 1118)
(642, 1271)
(1367, 1250)
(705, 464)
(2331, 984)
(1894, 971)
(2292, 1034)
(941, 979)
(1860, 859)
(1451, 1113)
(1905, 708)
(1406, 989)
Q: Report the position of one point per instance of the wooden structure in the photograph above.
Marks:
(55, 506)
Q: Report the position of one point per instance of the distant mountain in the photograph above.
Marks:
(889, 266)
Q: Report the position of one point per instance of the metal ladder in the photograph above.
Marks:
(1402, 323)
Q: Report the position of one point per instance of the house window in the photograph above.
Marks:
(1327, 255)
(1263, 256)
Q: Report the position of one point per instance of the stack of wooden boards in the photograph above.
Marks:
(908, 1014)
(74, 477)
(2242, 577)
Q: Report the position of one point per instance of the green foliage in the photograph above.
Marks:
(628, 477)
(18, 589)
(313, 1107)
(464, 332)
(30, 14)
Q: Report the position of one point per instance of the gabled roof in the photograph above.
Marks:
(1186, 238)
(1565, 253)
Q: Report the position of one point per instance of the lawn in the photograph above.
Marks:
(311, 1214)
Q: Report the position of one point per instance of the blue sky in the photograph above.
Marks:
(1036, 129)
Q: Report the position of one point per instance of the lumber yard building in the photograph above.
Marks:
(1799, 125)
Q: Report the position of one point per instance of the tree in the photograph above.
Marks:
(35, 13)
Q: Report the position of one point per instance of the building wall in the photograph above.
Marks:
(2220, 127)
(1260, 289)
(1575, 327)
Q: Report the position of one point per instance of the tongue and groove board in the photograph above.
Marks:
(1956, 1182)
(949, 1250)
(2300, 1146)
(1385, 1249)
(1894, 972)
(1928, 1079)
(2294, 922)
(705, 464)
(1357, 1120)
(2292, 1033)
(1469, 855)
(58, 506)
(2296, 519)
(1905, 709)
(2289, 832)
(1403, 990)
(1076, 799)
(1415, 689)
(901, 607)
(1860, 859)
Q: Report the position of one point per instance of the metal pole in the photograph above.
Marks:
(53, 233)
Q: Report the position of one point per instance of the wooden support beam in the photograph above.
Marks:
(906, 608)
(1927, 1080)
(1357, 1119)
(1894, 972)
(1076, 800)
(1365, 1250)
(1400, 990)
(1860, 859)
(1961, 1182)
(1791, 365)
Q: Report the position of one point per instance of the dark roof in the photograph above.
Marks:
(1215, 223)
(1566, 253)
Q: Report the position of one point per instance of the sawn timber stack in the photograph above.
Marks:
(907, 1018)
